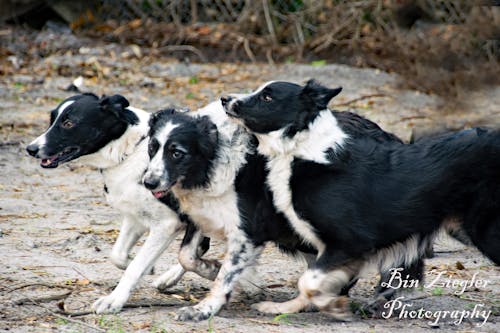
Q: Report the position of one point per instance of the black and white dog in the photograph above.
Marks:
(109, 134)
(359, 202)
(210, 165)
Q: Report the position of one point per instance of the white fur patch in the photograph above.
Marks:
(311, 144)
(280, 171)
(156, 167)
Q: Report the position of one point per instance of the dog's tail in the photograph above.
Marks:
(481, 220)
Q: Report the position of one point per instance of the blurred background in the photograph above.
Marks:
(439, 46)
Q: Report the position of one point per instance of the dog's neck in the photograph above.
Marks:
(323, 133)
(117, 151)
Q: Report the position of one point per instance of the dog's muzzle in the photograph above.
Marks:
(230, 105)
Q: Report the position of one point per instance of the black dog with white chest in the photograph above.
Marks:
(362, 203)
(211, 166)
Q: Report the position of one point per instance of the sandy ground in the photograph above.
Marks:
(56, 230)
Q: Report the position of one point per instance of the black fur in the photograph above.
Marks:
(373, 195)
(262, 114)
(191, 147)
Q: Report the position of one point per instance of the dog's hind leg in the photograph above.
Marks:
(193, 247)
(386, 292)
(323, 284)
(130, 232)
(241, 253)
(297, 304)
(484, 233)
(160, 236)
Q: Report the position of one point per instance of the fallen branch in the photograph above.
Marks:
(67, 318)
(42, 299)
(359, 99)
(126, 306)
(39, 284)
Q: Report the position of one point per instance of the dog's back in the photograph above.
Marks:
(375, 195)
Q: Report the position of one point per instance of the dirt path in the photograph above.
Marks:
(56, 230)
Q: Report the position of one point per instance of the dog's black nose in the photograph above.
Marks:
(151, 183)
(225, 100)
(32, 149)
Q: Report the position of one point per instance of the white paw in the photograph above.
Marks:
(109, 304)
(169, 278)
(192, 313)
(268, 307)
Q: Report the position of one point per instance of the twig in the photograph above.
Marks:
(150, 305)
(359, 99)
(248, 50)
(99, 284)
(189, 48)
(75, 313)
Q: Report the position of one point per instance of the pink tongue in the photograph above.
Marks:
(158, 194)
(46, 161)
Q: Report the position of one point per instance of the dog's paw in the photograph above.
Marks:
(268, 307)
(191, 313)
(169, 278)
(339, 309)
(109, 304)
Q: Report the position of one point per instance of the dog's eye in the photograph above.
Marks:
(68, 123)
(177, 154)
(266, 98)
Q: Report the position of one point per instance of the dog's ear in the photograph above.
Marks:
(158, 114)
(117, 105)
(209, 136)
(319, 94)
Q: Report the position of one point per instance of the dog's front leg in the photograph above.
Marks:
(241, 253)
(193, 246)
(130, 232)
(158, 240)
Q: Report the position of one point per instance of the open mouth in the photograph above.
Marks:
(66, 155)
(162, 193)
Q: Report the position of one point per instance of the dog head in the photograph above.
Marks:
(279, 105)
(181, 151)
(81, 125)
